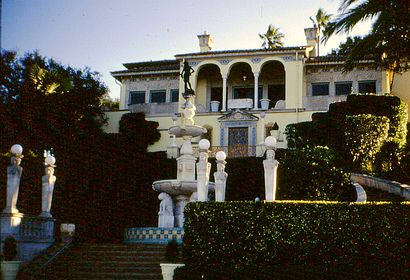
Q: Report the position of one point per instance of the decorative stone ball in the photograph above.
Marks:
(220, 155)
(270, 141)
(204, 144)
(50, 160)
(17, 149)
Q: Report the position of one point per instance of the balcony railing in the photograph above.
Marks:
(232, 151)
(154, 108)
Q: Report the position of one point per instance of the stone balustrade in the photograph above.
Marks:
(396, 188)
(37, 228)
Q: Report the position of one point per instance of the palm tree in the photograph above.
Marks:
(273, 38)
(388, 41)
(320, 21)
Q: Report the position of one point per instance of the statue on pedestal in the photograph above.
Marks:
(14, 172)
(48, 181)
(186, 74)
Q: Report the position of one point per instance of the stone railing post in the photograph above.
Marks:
(14, 172)
(48, 181)
(270, 165)
(220, 176)
(203, 170)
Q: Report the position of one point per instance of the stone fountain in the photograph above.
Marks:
(174, 194)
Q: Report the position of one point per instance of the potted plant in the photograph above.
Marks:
(275, 131)
(9, 266)
(170, 261)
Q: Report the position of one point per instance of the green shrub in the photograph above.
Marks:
(246, 237)
(365, 135)
(329, 128)
(390, 106)
(311, 173)
(388, 159)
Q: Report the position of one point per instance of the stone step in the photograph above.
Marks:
(108, 261)
(96, 276)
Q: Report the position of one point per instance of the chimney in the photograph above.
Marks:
(312, 35)
(205, 42)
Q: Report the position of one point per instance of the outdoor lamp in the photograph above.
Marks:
(50, 160)
(17, 149)
(204, 144)
(220, 155)
(270, 142)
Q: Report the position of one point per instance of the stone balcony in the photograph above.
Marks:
(154, 108)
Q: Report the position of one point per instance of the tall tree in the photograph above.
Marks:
(273, 38)
(320, 21)
(346, 47)
(45, 104)
(389, 38)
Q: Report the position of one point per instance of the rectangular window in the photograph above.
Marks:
(136, 97)
(320, 89)
(367, 86)
(174, 95)
(343, 88)
(157, 96)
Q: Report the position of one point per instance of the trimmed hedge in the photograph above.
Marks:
(246, 238)
(312, 173)
(364, 136)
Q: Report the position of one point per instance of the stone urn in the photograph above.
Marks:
(215, 106)
(67, 232)
(265, 103)
(9, 269)
(168, 270)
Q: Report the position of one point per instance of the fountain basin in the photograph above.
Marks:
(187, 130)
(175, 187)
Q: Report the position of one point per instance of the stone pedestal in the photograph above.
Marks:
(10, 224)
(186, 167)
(270, 165)
(220, 181)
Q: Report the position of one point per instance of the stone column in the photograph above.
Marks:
(203, 169)
(220, 176)
(48, 181)
(255, 97)
(14, 172)
(270, 165)
(224, 79)
(180, 202)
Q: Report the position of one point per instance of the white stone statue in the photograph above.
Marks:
(48, 181)
(270, 165)
(14, 172)
(220, 176)
(166, 211)
(203, 170)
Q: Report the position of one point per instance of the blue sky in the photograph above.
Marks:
(103, 34)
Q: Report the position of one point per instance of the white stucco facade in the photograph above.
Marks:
(296, 84)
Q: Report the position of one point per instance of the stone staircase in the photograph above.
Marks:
(106, 261)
